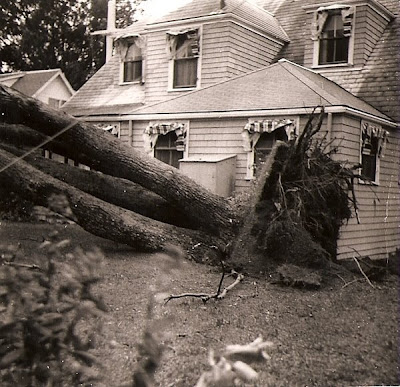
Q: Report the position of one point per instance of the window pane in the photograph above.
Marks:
(133, 71)
(185, 72)
(165, 149)
(368, 166)
(333, 45)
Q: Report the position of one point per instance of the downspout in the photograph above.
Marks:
(111, 15)
(329, 132)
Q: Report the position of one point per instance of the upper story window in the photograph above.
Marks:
(332, 34)
(184, 51)
(333, 45)
(130, 51)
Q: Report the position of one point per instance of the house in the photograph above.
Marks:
(211, 86)
(48, 86)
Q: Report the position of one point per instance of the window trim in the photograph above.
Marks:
(171, 67)
(350, 53)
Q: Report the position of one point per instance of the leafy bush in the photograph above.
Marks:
(48, 318)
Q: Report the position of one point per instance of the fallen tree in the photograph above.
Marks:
(94, 215)
(298, 179)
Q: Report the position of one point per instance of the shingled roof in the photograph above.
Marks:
(242, 9)
(30, 82)
(376, 83)
(283, 85)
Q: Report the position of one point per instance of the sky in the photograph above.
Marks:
(160, 7)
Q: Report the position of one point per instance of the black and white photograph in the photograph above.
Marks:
(199, 193)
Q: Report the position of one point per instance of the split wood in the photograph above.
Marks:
(219, 295)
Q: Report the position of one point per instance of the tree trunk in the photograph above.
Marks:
(96, 216)
(111, 156)
(114, 190)
(22, 136)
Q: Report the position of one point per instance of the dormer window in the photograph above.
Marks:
(332, 35)
(130, 51)
(333, 45)
(184, 51)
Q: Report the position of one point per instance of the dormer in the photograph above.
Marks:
(343, 35)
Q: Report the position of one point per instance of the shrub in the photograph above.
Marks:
(48, 318)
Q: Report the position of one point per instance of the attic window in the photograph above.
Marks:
(373, 141)
(130, 51)
(184, 49)
(332, 32)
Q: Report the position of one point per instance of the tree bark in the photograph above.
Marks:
(21, 136)
(96, 216)
(109, 155)
(114, 190)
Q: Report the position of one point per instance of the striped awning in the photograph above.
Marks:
(164, 128)
(266, 126)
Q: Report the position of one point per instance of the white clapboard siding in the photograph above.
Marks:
(377, 233)
(227, 50)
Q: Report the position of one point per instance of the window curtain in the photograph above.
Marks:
(129, 48)
(153, 130)
(189, 47)
(322, 13)
(375, 137)
(265, 126)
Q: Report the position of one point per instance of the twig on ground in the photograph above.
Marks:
(25, 265)
(349, 283)
(205, 296)
(363, 273)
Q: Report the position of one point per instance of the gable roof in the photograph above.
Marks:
(31, 82)
(241, 9)
(283, 85)
(102, 94)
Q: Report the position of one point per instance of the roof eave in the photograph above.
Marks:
(254, 112)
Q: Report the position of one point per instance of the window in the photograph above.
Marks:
(373, 140)
(132, 61)
(259, 137)
(184, 55)
(166, 151)
(264, 145)
(333, 45)
(332, 35)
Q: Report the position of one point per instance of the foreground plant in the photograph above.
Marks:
(232, 365)
(48, 318)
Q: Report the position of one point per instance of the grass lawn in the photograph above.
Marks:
(335, 336)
